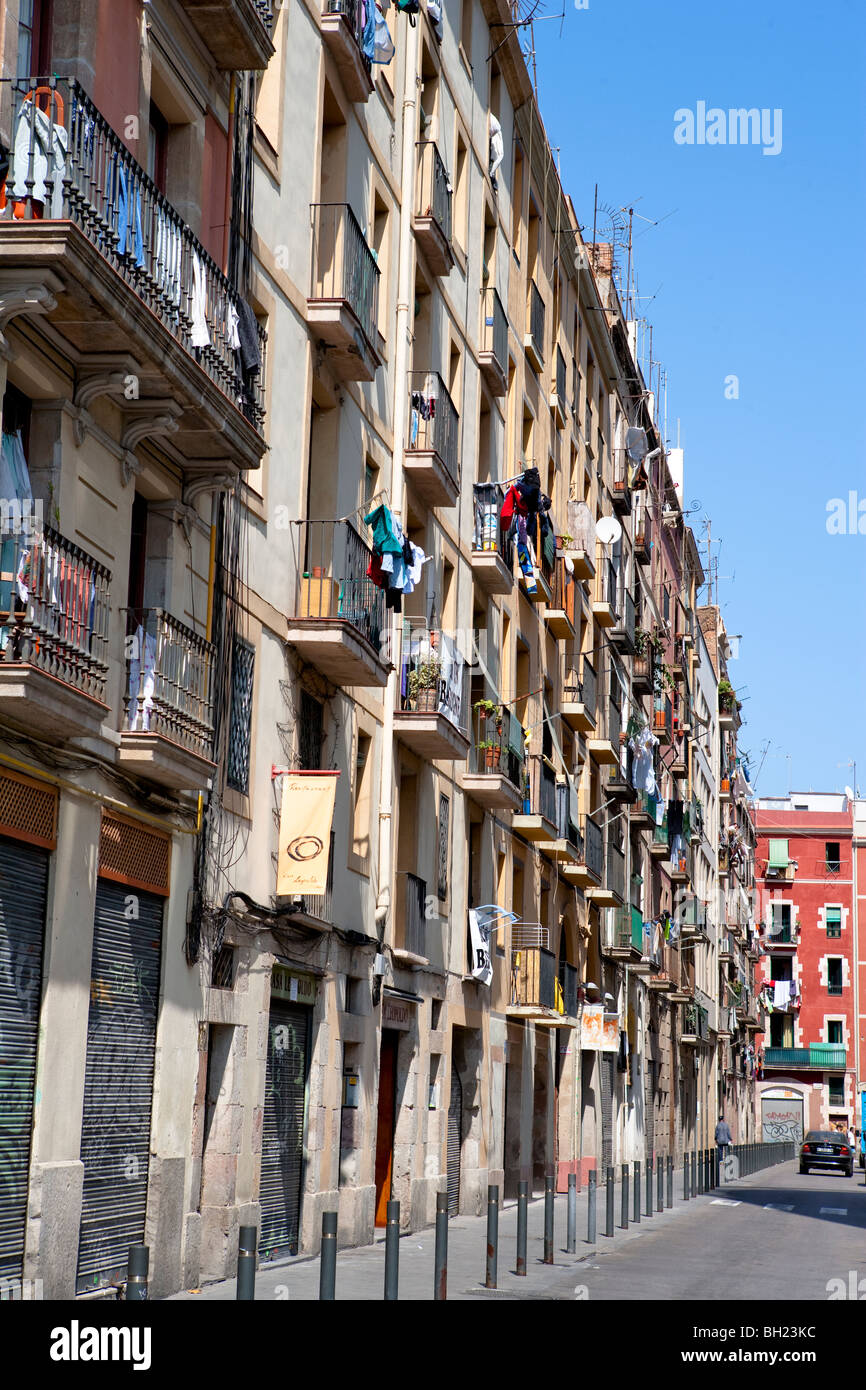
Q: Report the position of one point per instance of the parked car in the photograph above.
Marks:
(826, 1148)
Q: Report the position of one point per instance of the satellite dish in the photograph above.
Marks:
(608, 530)
(849, 792)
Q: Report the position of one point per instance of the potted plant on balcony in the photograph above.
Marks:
(486, 708)
(489, 751)
(727, 698)
(424, 686)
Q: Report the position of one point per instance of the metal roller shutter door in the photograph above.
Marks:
(455, 1131)
(608, 1082)
(283, 1128)
(23, 893)
(118, 1080)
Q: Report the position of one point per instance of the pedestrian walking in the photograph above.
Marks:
(852, 1139)
(723, 1140)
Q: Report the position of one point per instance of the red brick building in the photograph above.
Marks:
(804, 878)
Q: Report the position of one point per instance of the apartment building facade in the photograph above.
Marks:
(322, 396)
(805, 862)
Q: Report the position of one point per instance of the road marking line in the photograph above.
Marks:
(777, 1206)
(723, 1202)
(833, 1211)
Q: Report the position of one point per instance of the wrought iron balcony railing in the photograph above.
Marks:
(535, 319)
(414, 936)
(593, 845)
(495, 335)
(539, 790)
(343, 264)
(487, 534)
(497, 743)
(70, 164)
(168, 688)
(333, 581)
(560, 376)
(434, 677)
(696, 1022)
(433, 421)
(54, 608)
(434, 187)
(615, 870)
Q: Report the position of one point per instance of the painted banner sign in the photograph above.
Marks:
(305, 832)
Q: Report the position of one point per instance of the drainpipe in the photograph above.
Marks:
(403, 331)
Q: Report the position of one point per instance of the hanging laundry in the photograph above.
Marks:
(781, 994)
(383, 48)
(129, 234)
(513, 505)
(497, 145)
(248, 333)
(200, 334)
(232, 337)
(434, 14)
(643, 777)
(50, 143)
(580, 526)
(675, 820)
(385, 533)
(368, 29)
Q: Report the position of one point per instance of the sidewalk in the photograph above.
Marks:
(361, 1270)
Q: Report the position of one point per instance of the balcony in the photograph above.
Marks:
(589, 870)
(431, 460)
(492, 548)
(432, 220)
(496, 759)
(123, 283)
(343, 36)
(543, 545)
(236, 33)
(339, 623)
(643, 811)
(643, 541)
(604, 606)
(627, 944)
(54, 634)
(317, 909)
(816, 1057)
(659, 847)
(568, 984)
(683, 991)
(622, 635)
(578, 697)
(533, 984)
(584, 567)
(433, 712)
(663, 719)
(617, 787)
(612, 892)
(567, 850)
(642, 672)
(696, 1025)
(727, 947)
(729, 717)
(666, 976)
(343, 307)
(167, 733)
(783, 940)
(533, 338)
(681, 866)
(559, 613)
(411, 914)
(679, 764)
(557, 394)
(537, 820)
(493, 356)
(693, 918)
(604, 746)
(696, 820)
(621, 493)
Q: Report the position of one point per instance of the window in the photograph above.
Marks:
(157, 146)
(442, 875)
(781, 968)
(461, 197)
(34, 38)
(834, 975)
(837, 1090)
(780, 921)
(241, 718)
(517, 200)
(363, 796)
(832, 858)
(466, 30)
(223, 968)
(833, 919)
(381, 250)
(310, 733)
(834, 1031)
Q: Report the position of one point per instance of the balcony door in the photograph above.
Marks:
(386, 1122)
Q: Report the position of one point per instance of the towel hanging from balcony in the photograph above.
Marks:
(50, 143)
(497, 146)
(200, 335)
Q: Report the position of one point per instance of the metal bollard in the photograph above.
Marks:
(686, 1185)
(549, 1198)
(492, 1233)
(591, 1198)
(328, 1258)
(649, 1185)
(246, 1289)
(635, 1216)
(699, 1159)
(392, 1251)
(571, 1236)
(624, 1213)
(670, 1200)
(611, 1197)
(440, 1266)
(660, 1185)
(522, 1200)
(694, 1172)
(136, 1273)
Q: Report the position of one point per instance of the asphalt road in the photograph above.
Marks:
(775, 1235)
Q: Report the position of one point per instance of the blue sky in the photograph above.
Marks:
(761, 269)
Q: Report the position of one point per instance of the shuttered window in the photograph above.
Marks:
(241, 718)
(283, 1129)
(118, 1079)
(833, 919)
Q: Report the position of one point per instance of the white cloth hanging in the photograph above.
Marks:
(49, 157)
(232, 335)
(200, 335)
(497, 145)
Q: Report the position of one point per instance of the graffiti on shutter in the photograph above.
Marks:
(23, 889)
(283, 1128)
(608, 1081)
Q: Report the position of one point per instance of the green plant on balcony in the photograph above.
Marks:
(486, 707)
(727, 697)
(423, 685)
(489, 752)
(663, 678)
